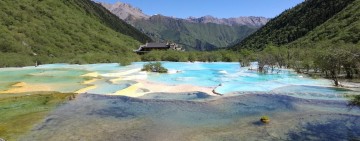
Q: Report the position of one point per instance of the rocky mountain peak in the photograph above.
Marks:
(131, 14)
(249, 21)
(125, 11)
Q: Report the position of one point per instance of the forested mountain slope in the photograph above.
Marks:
(343, 28)
(68, 31)
(294, 23)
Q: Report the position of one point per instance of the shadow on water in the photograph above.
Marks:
(174, 115)
(354, 102)
(185, 110)
(338, 128)
(118, 112)
(258, 123)
(179, 96)
(202, 95)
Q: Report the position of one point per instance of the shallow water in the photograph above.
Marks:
(63, 77)
(300, 108)
(184, 117)
(233, 78)
(105, 87)
(60, 79)
(230, 76)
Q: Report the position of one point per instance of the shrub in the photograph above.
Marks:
(265, 119)
(154, 67)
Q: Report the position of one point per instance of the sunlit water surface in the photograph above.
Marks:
(312, 109)
(225, 78)
(195, 116)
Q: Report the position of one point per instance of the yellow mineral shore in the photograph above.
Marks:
(131, 91)
(22, 87)
(90, 81)
(84, 90)
(134, 90)
(92, 74)
(19, 84)
(115, 80)
(157, 87)
(125, 76)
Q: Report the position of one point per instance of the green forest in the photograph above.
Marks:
(294, 23)
(64, 31)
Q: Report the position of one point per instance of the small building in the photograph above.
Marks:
(157, 46)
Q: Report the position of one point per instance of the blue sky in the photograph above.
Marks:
(217, 8)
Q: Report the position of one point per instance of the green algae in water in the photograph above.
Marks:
(59, 79)
(98, 117)
(20, 112)
(5, 85)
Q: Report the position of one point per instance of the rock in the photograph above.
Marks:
(265, 119)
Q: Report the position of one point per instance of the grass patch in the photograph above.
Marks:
(20, 112)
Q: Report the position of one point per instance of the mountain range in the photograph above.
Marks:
(203, 33)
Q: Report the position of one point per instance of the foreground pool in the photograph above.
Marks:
(195, 117)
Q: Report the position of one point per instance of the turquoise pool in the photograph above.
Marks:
(225, 78)
(230, 78)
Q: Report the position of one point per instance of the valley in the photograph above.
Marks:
(202, 34)
(70, 70)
